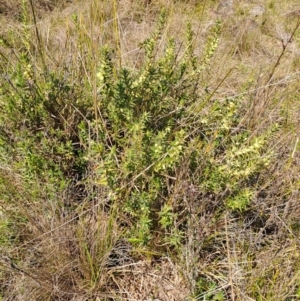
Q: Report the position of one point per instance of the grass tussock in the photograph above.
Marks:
(149, 150)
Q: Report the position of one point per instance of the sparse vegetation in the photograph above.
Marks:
(149, 150)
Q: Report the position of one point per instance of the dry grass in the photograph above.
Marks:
(65, 247)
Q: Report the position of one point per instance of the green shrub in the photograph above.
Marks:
(150, 120)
